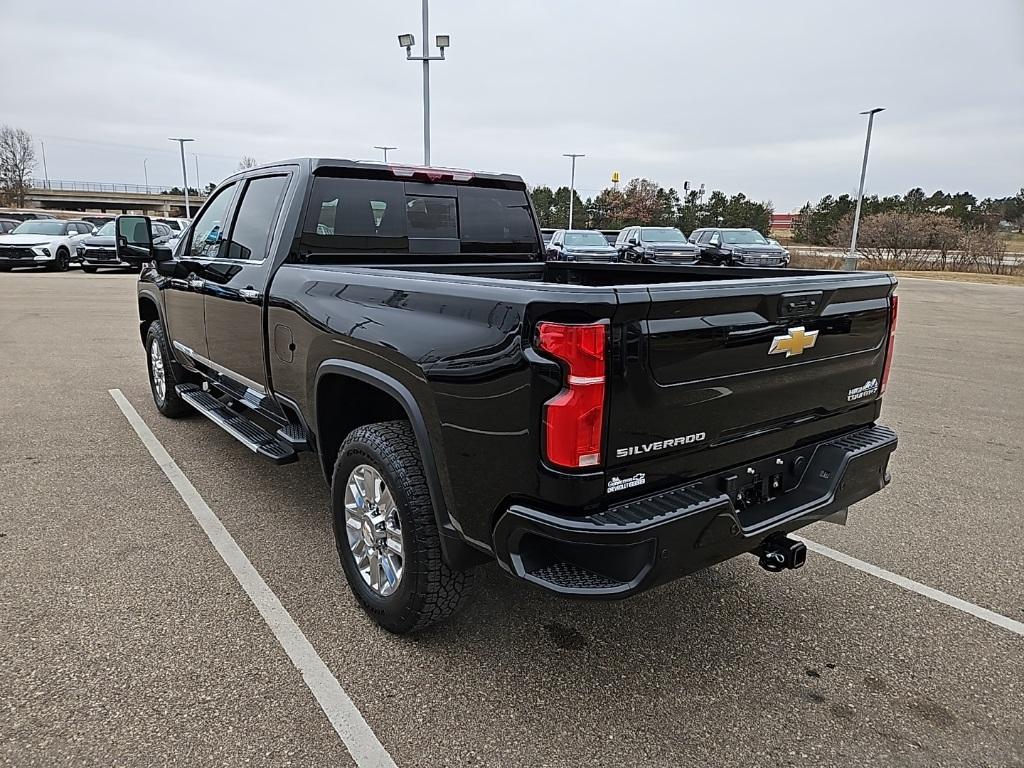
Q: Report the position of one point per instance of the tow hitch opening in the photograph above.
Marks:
(781, 553)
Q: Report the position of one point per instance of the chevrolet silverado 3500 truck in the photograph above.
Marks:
(596, 428)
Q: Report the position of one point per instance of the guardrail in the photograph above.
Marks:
(58, 185)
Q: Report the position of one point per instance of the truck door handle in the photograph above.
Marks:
(250, 294)
(197, 283)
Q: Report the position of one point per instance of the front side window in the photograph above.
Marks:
(207, 235)
(257, 214)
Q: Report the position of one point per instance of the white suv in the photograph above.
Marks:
(49, 243)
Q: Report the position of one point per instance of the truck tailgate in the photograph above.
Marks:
(724, 372)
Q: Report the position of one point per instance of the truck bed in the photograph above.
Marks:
(600, 274)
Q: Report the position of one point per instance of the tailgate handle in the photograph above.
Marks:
(791, 304)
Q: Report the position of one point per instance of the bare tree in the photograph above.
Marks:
(247, 162)
(897, 240)
(984, 250)
(17, 161)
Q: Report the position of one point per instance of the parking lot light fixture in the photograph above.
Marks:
(407, 41)
(184, 173)
(384, 150)
(572, 181)
(850, 262)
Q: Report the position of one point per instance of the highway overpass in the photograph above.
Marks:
(101, 197)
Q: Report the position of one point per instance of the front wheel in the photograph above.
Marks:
(386, 534)
(164, 374)
(61, 261)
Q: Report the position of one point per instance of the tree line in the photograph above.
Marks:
(645, 202)
(825, 222)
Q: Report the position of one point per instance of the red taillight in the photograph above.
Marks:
(574, 418)
(893, 315)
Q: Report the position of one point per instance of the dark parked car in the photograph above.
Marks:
(6, 225)
(98, 220)
(655, 245)
(98, 251)
(598, 429)
(738, 247)
(580, 245)
(26, 215)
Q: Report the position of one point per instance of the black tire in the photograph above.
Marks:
(169, 403)
(89, 270)
(62, 262)
(429, 591)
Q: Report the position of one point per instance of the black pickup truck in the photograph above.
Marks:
(597, 429)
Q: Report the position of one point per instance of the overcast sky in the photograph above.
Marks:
(752, 96)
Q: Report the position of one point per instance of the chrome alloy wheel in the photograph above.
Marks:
(374, 530)
(156, 366)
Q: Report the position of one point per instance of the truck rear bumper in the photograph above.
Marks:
(651, 540)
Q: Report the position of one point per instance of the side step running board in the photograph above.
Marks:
(251, 435)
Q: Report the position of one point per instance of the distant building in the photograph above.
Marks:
(783, 222)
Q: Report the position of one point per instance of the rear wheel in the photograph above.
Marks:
(386, 534)
(164, 374)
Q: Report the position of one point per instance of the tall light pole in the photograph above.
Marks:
(384, 150)
(850, 262)
(145, 171)
(199, 184)
(572, 181)
(184, 174)
(408, 41)
(46, 174)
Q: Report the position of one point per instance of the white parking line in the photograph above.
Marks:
(355, 732)
(914, 586)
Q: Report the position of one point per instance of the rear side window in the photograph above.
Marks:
(388, 216)
(257, 214)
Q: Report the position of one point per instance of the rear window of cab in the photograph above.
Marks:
(395, 216)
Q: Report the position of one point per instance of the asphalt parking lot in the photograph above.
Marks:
(126, 641)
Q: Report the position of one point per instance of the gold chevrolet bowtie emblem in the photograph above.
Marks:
(794, 342)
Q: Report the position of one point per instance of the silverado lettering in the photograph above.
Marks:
(660, 445)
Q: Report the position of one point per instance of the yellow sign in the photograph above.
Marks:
(794, 342)
(615, 177)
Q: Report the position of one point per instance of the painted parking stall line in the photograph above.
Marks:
(1004, 622)
(359, 739)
